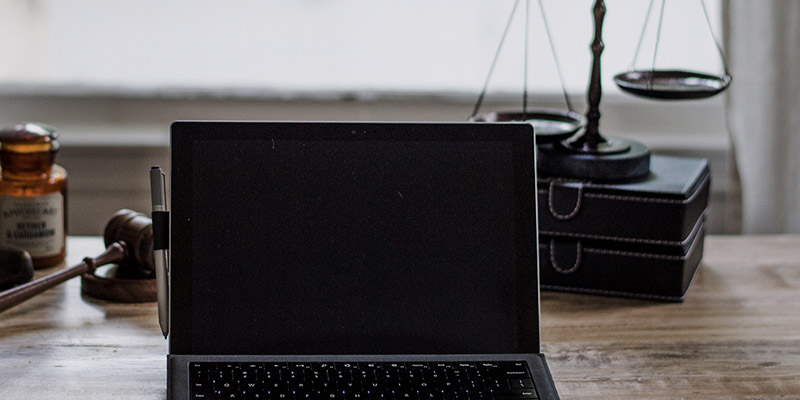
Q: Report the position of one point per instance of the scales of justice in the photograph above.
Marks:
(570, 145)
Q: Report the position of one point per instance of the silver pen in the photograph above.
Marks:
(160, 216)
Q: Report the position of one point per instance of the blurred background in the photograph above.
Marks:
(112, 76)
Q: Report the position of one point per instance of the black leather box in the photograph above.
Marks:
(634, 239)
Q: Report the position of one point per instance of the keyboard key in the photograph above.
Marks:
(480, 395)
(526, 383)
(201, 387)
(333, 395)
(406, 395)
(496, 384)
(381, 395)
(514, 369)
(355, 385)
(356, 395)
(430, 395)
(227, 389)
(515, 394)
(322, 367)
(455, 395)
(252, 384)
(276, 386)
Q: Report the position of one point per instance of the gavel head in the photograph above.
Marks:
(136, 230)
(132, 280)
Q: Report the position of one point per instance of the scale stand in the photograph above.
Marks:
(590, 155)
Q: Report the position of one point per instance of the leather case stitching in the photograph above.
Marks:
(554, 264)
(551, 203)
(628, 198)
(696, 228)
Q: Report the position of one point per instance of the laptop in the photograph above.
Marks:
(316, 260)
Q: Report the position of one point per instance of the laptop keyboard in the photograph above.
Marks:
(362, 380)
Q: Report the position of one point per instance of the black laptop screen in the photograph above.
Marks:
(352, 239)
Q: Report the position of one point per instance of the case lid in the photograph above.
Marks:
(664, 208)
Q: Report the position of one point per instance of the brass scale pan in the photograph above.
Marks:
(673, 84)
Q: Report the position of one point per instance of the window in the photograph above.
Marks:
(112, 75)
(324, 45)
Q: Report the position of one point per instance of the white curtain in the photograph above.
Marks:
(763, 47)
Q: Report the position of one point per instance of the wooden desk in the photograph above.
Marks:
(737, 335)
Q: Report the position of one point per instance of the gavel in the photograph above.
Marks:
(128, 237)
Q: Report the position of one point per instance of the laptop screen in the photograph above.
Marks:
(353, 238)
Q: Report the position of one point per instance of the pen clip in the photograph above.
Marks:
(164, 188)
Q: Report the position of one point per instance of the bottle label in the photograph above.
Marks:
(35, 224)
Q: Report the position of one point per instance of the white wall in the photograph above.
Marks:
(321, 45)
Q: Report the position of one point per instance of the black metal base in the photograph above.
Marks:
(563, 160)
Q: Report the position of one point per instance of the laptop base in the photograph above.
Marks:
(179, 367)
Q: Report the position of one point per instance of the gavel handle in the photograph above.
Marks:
(114, 253)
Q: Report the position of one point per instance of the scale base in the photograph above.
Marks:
(563, 160)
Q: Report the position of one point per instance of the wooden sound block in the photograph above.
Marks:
(114, 284)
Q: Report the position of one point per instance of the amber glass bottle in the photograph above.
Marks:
(33, 193)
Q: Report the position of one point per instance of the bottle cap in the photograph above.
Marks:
(29, 137)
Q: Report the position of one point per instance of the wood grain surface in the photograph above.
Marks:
(737, 336)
